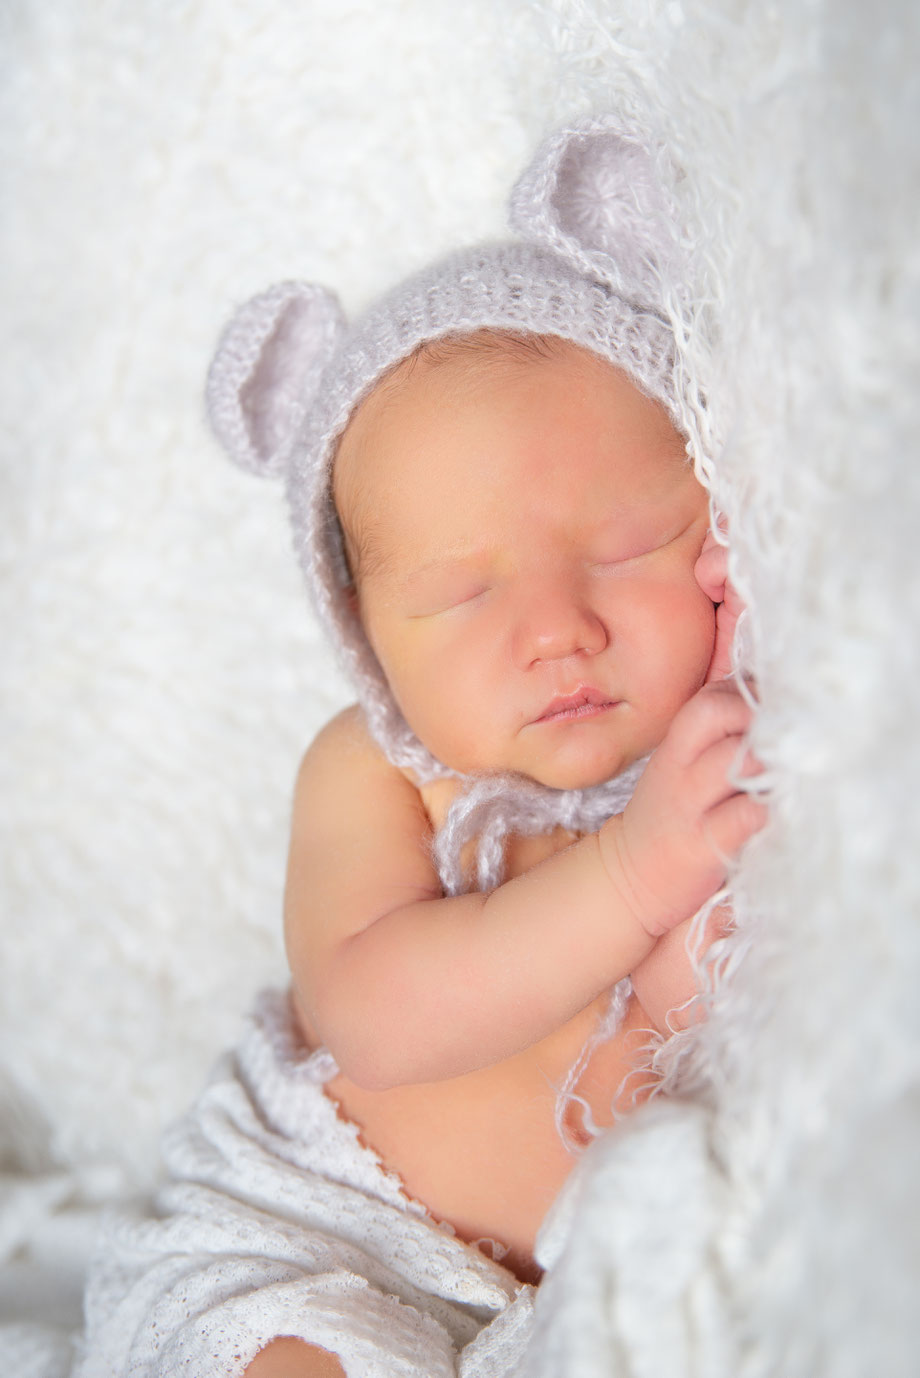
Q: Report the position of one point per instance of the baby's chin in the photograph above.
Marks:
(577, 775)
(575, 770)
(568, 778)
(591, 764)
(557, 776)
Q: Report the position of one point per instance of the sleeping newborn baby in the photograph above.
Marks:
(495, 854)
(522, 530)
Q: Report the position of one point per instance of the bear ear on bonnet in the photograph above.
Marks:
(266, 371)
(597, 194)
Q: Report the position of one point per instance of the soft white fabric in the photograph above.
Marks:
(277, 1220)
(160, 673)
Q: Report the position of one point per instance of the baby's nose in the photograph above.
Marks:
(555, 624)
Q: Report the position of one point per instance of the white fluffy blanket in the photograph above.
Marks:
(160, 673)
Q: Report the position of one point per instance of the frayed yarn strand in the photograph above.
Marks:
(494, 806)
(566, 1095)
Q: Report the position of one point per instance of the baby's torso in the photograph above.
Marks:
(482, 1151)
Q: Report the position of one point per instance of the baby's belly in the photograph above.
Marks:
(482, 1151)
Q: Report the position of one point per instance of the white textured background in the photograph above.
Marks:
(160, 672)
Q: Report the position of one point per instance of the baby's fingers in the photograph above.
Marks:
(711, 568)
(715, 775)
(730, 824)
(715, 711)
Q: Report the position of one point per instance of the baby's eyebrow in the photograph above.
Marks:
(365, 554)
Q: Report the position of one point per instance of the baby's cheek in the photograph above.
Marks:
(706, 624)
(442, 700)
(699, 630)
(683, 634)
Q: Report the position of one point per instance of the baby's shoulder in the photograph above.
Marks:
(344, 770)
(343, 754)
(345, 738)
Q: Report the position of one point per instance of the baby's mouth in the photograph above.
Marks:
(584, 702)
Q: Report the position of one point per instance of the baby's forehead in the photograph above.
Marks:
(458, 365)
(461, 371)
(460, 361)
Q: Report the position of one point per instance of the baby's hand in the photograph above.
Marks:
(711, 572)
(669, 849)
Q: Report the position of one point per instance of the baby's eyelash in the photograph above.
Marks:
(624, 559)
(648, 547)
(471, 597)
(450, 606)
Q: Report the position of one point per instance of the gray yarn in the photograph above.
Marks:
(495, 806)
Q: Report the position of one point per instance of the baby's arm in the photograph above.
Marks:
(666, 984)
(408, 986)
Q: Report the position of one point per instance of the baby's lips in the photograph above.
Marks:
(585, 696)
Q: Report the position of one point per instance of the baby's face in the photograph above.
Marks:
(525, 533)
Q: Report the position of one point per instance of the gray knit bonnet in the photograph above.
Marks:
(596, 263)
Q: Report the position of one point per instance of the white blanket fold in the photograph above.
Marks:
(277, 1220)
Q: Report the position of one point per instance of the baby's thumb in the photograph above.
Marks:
(711, 568)
(727, 614)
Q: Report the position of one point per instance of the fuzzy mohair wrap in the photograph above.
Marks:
(597, 263)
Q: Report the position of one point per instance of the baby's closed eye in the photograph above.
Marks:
(633, 545)
(446, 597)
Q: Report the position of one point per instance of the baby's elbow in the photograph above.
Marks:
(367, 1026)
(367, 1065)
(380, 1064)
(365, 1053)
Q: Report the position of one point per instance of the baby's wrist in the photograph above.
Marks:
(631, 894)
